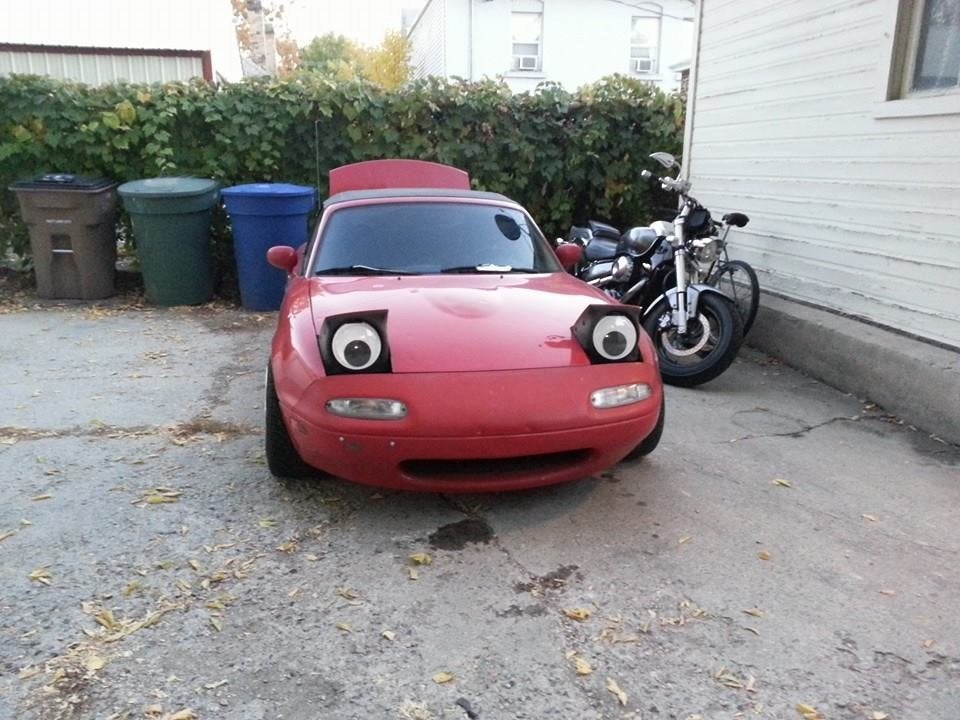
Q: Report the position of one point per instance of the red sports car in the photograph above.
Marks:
(429, 339)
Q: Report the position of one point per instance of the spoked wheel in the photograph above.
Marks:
(738, 281)
(708, 347)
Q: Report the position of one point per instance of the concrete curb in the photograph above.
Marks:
(912, 379)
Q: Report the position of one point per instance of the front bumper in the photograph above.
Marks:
(477, 431)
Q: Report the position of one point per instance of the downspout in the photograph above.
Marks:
(470, 41)
(692, 92)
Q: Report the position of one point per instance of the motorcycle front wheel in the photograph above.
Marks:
(738, 281)
(707, 349)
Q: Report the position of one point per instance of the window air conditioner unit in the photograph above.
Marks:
(643, 65)
(529, 62)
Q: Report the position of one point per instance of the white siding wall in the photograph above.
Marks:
(427, 39)
(848, 210)
(100, 69)
(583, 40)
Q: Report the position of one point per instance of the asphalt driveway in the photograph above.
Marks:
(787, 552)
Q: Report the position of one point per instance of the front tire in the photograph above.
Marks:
(712, 341)
(651, 441)
(283, 460)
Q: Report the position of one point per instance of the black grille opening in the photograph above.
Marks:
(524, 464)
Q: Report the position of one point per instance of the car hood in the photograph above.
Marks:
(463, 323)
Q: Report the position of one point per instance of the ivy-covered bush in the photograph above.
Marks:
(562, 155)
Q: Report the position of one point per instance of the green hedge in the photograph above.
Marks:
(562, 155)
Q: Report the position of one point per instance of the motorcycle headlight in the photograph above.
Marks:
(622, 268)
(706, 252)
(609, 333)
(355, 343)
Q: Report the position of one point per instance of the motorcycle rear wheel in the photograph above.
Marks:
(738, 281)
(709, 347)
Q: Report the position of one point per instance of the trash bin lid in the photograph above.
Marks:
(268, 189)
(64, 181)
(167, 187)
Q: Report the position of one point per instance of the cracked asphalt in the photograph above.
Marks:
(787, 552)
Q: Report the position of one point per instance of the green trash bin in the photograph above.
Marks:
(171, 222)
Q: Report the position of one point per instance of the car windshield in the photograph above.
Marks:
(431, 237)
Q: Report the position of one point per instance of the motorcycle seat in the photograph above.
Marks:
(603, 230)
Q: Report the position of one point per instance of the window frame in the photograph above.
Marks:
(514, 57)
(655, 71)
(895, 97)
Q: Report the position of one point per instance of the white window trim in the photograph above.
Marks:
(516, 71)
(656, 58)
(896, 65)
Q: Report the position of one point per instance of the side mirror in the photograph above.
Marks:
(283, 257)
(569, 255)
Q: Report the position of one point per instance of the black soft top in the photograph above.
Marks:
(388, 193)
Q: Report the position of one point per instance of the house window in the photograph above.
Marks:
(645, 44)
(527, 30)
(933, 58)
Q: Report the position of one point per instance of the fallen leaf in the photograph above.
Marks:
(781, 482)
(7, 534)
(159, 499)
(40, 575)
(728, 679)
(347, 593)
(412, 573)
(421, 559)
(871, 518)
(684, 539)
(808, 712)
(216, 622)
(888, 592)
(29, 671)
(756, 612)
(45, 496)
(389, 635)
(345, 627)
(579, 614)
(293, 593)
(764, 555)
(615, 689)
(94, 663)
(442, 677)
(195, 565)
(288, 547)
(215, 685)
(266, 522)
(25, 522)
(185, 714)
(929, 643)
(152, 710)
(581, 666)
(752, 630)
(311, 557)
(877, 715)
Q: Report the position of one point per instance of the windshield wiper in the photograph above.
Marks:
(486, 268)
(362, 270)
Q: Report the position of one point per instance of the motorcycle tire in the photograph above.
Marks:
(691, 360)
(738, 281)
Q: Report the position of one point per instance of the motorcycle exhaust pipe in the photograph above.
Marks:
(629, 294)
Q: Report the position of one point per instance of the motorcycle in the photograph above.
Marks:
(696, 328)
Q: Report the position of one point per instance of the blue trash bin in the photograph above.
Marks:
(264, 215)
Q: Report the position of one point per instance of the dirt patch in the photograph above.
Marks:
(456, 536)
(553, 580)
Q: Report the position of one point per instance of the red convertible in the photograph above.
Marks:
(429, 339)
